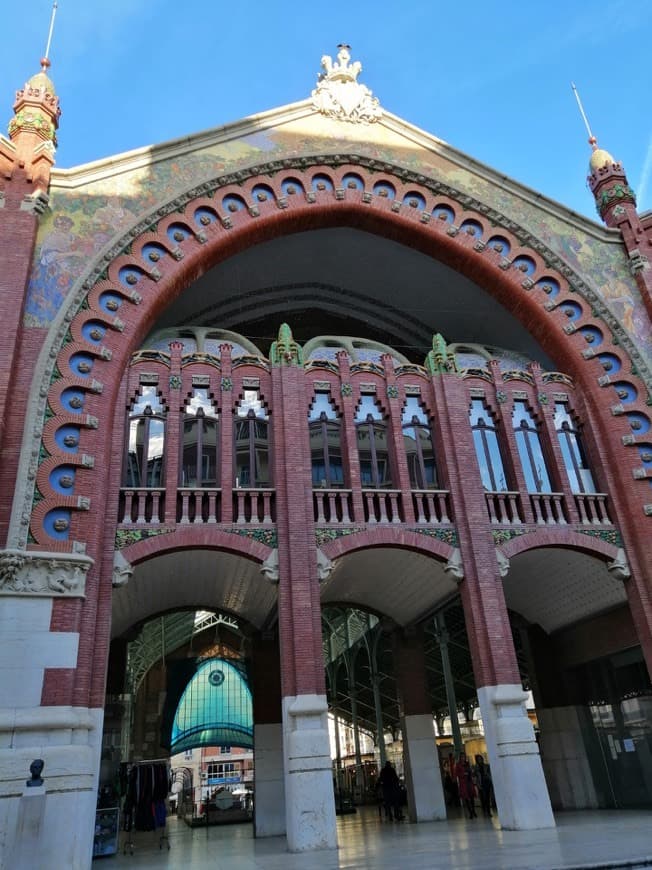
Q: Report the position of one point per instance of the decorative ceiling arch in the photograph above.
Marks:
(112, 307)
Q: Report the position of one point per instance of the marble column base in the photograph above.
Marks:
(69, 740)
(426, 801)
(309, 798)
(269, 782)
(519, 784)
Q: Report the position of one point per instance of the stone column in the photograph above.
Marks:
(442, 638)
(309, 798)
(378, 706)
(519, 785)
(269, 798)
(426, 801)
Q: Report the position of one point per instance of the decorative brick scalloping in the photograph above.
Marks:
(558, 538)
(175, 219)
(405, 225)
(388, 537)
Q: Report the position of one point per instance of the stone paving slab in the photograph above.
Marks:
(581, 841)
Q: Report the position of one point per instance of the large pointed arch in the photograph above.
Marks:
(111, 308)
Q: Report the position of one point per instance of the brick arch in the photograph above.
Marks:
(565, 538)
(402, 539)
(111, 309)
(195, 539)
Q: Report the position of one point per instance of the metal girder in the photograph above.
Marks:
(161, 636)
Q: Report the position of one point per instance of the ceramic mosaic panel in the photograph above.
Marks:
(83, 221)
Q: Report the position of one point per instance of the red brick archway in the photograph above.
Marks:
(110, 311)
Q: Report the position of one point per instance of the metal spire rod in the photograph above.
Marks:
(583, 114)
(55, 6)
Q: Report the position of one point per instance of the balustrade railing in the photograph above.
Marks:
(431, 506)
(382, 505)
(592, 508)
(141, 506)
(332, 506)
(548, 508)
(254, 506)
(504, 508)
(199, 505)
(146, 506)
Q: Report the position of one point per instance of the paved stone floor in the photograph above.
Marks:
(588, 839)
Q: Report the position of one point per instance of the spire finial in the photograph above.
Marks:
(593, 142)
(45, 60)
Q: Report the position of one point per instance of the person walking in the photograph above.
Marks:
(389, 782)
(465, 784)
(483, 778)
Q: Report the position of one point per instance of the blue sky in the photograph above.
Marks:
(491, 79)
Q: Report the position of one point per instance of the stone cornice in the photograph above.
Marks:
(129, 161)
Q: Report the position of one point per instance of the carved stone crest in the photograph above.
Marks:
(454, 566)
(23, 572)
(619, 568)
(122, 570)
(340, 95)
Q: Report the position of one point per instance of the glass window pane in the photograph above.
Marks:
(532, 462)
(321, 404)
(189, 456)
(155, 452)
(487, 448)
(367, 407)
(413, 409)
(209, 453)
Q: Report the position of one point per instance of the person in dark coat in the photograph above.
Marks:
(466, 785)
(483, 779)
(389, 782)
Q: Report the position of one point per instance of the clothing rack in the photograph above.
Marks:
(147, 784)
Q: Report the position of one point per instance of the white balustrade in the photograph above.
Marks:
(431, 506)
(253, 506)
(548, 508)
(592, 508)
(382, 505)
(198, 505)
(332, 506)
(503, 508)
(142, 506)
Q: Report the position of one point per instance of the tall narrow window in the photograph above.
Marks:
(199, 448)
(146, 441)
(372, 445)
(487, 448)
(572, 449)
(418, 446)
(251, 442)
(529, 449)
(325, 445)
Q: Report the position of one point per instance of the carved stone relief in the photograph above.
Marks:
(37, 573)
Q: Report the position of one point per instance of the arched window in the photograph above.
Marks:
(325, 446)
(487, 448)
(146, 441)
(251, 442)
(371, 432)
(528, 442)
(418, 446)
(572, 449)
(199, 445)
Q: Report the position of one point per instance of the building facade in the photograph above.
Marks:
(319, 357)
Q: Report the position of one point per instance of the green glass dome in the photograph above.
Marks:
(215, 709)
